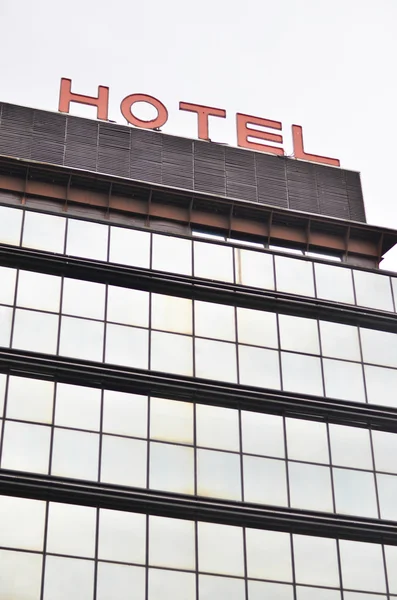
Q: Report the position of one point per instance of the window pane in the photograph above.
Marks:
(7, 288)
(257, 327)
(129, 247)
(379, 347)
(67, 578)
(220, 549)
(75, 454)
(254, 268)
(125, 414)
(36, 290)
(265, 481)
(355, 493)
(391, 561)
(310, 487)
(171, 584)
(83, 298)
(381, 385)
(12, 564)
(214, 320)
(71, 529)
(294, 276)
(130, 307)
(170, 313)
(350, 447)
(78, 406)
(171, 420)
(307, 440)
(262, 434)
(259, 367)
(362, 566)
(299, 334)
(89, 240)
(257, 590)
(301, 374)
(385, 451)
(334, 283)
(387, 489)
(127, 346)
(172, 543)
(21, 523)
(217, 427)
(316, 560)
(213, 262)
(26, 447)
(171, 353)
(10, 225)
(268, 555)
(344, 380)
(171, 468)
(308, 593)
(373, 290)
(115, 582)
(123, 461)
(5, 325)
(122, 536)
(81, 338)
(30, 399)
(216, 360)
(218, 474)
(211, 587)
(339, 341)
(3, 379)
(44, 232)
(172, 254)
(35, 331)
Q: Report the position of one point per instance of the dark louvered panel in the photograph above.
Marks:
(271, 180)
(331, 187)
(16, 131)
(302, 186)
(177, 162)
(240, 174)
(355, 196)
(81, 144)
(334, 209)
(145, 157)
(49, 132)
(209, 168)
(114, 150)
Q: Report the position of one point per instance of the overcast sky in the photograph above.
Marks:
(329, 66)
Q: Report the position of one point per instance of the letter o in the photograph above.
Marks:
(162, 113)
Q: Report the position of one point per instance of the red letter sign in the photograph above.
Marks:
(244, 132)
(203, 112)
(299, 152)
(162, 113)
(101, 101)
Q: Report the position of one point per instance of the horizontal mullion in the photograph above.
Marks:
(195, 288)
(71, 491)
(191, 389)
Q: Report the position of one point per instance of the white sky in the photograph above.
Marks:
(328, 66)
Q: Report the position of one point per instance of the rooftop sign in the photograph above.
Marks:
(246, 125)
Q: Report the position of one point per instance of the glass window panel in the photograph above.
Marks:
(71, 529)
(218, 474)
(81, 339)
(213, 262)
(309, 593)
(125, 414)
(385, 451)
(257, 327)
(316, 560)
(171, 353)
(35, 331)
(362, 566)
(171, 584)
(122, 536)
(171, 420)
(89, 240)
(127, 346)
(214, 320)
(5, 325)
(258, 590)
(171, 254)
(78, 406)
(10, 225)
(344, 380)
(170, 313)
(350, 447)
(307, 440)
(40, 291)
(21, 523)
(294, 276)
(259, 367)
(299, 334)
(44, 232)
(172, 543)
(115, 582)
(387, 489)
(254, 268)
(26, 447)
(373, 290)
(379, 347)
(268, 555)
(3, 379)
(12, 565)
(381, 385)
(83, 298)
(262, 434)
(217, 427)
(67, 578)
(334, 283)
(171, 468)
(129, 247)
(216, 360)
(75, 454)
(130, 307)
(310, 487)
(123, 461)
(7, 288)
(301, 374)
(211, 587)
(220, 549)
(30, 399)
(265, 481)
(391, 562)
(355, 493)
(339, 341)
(362, 596)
